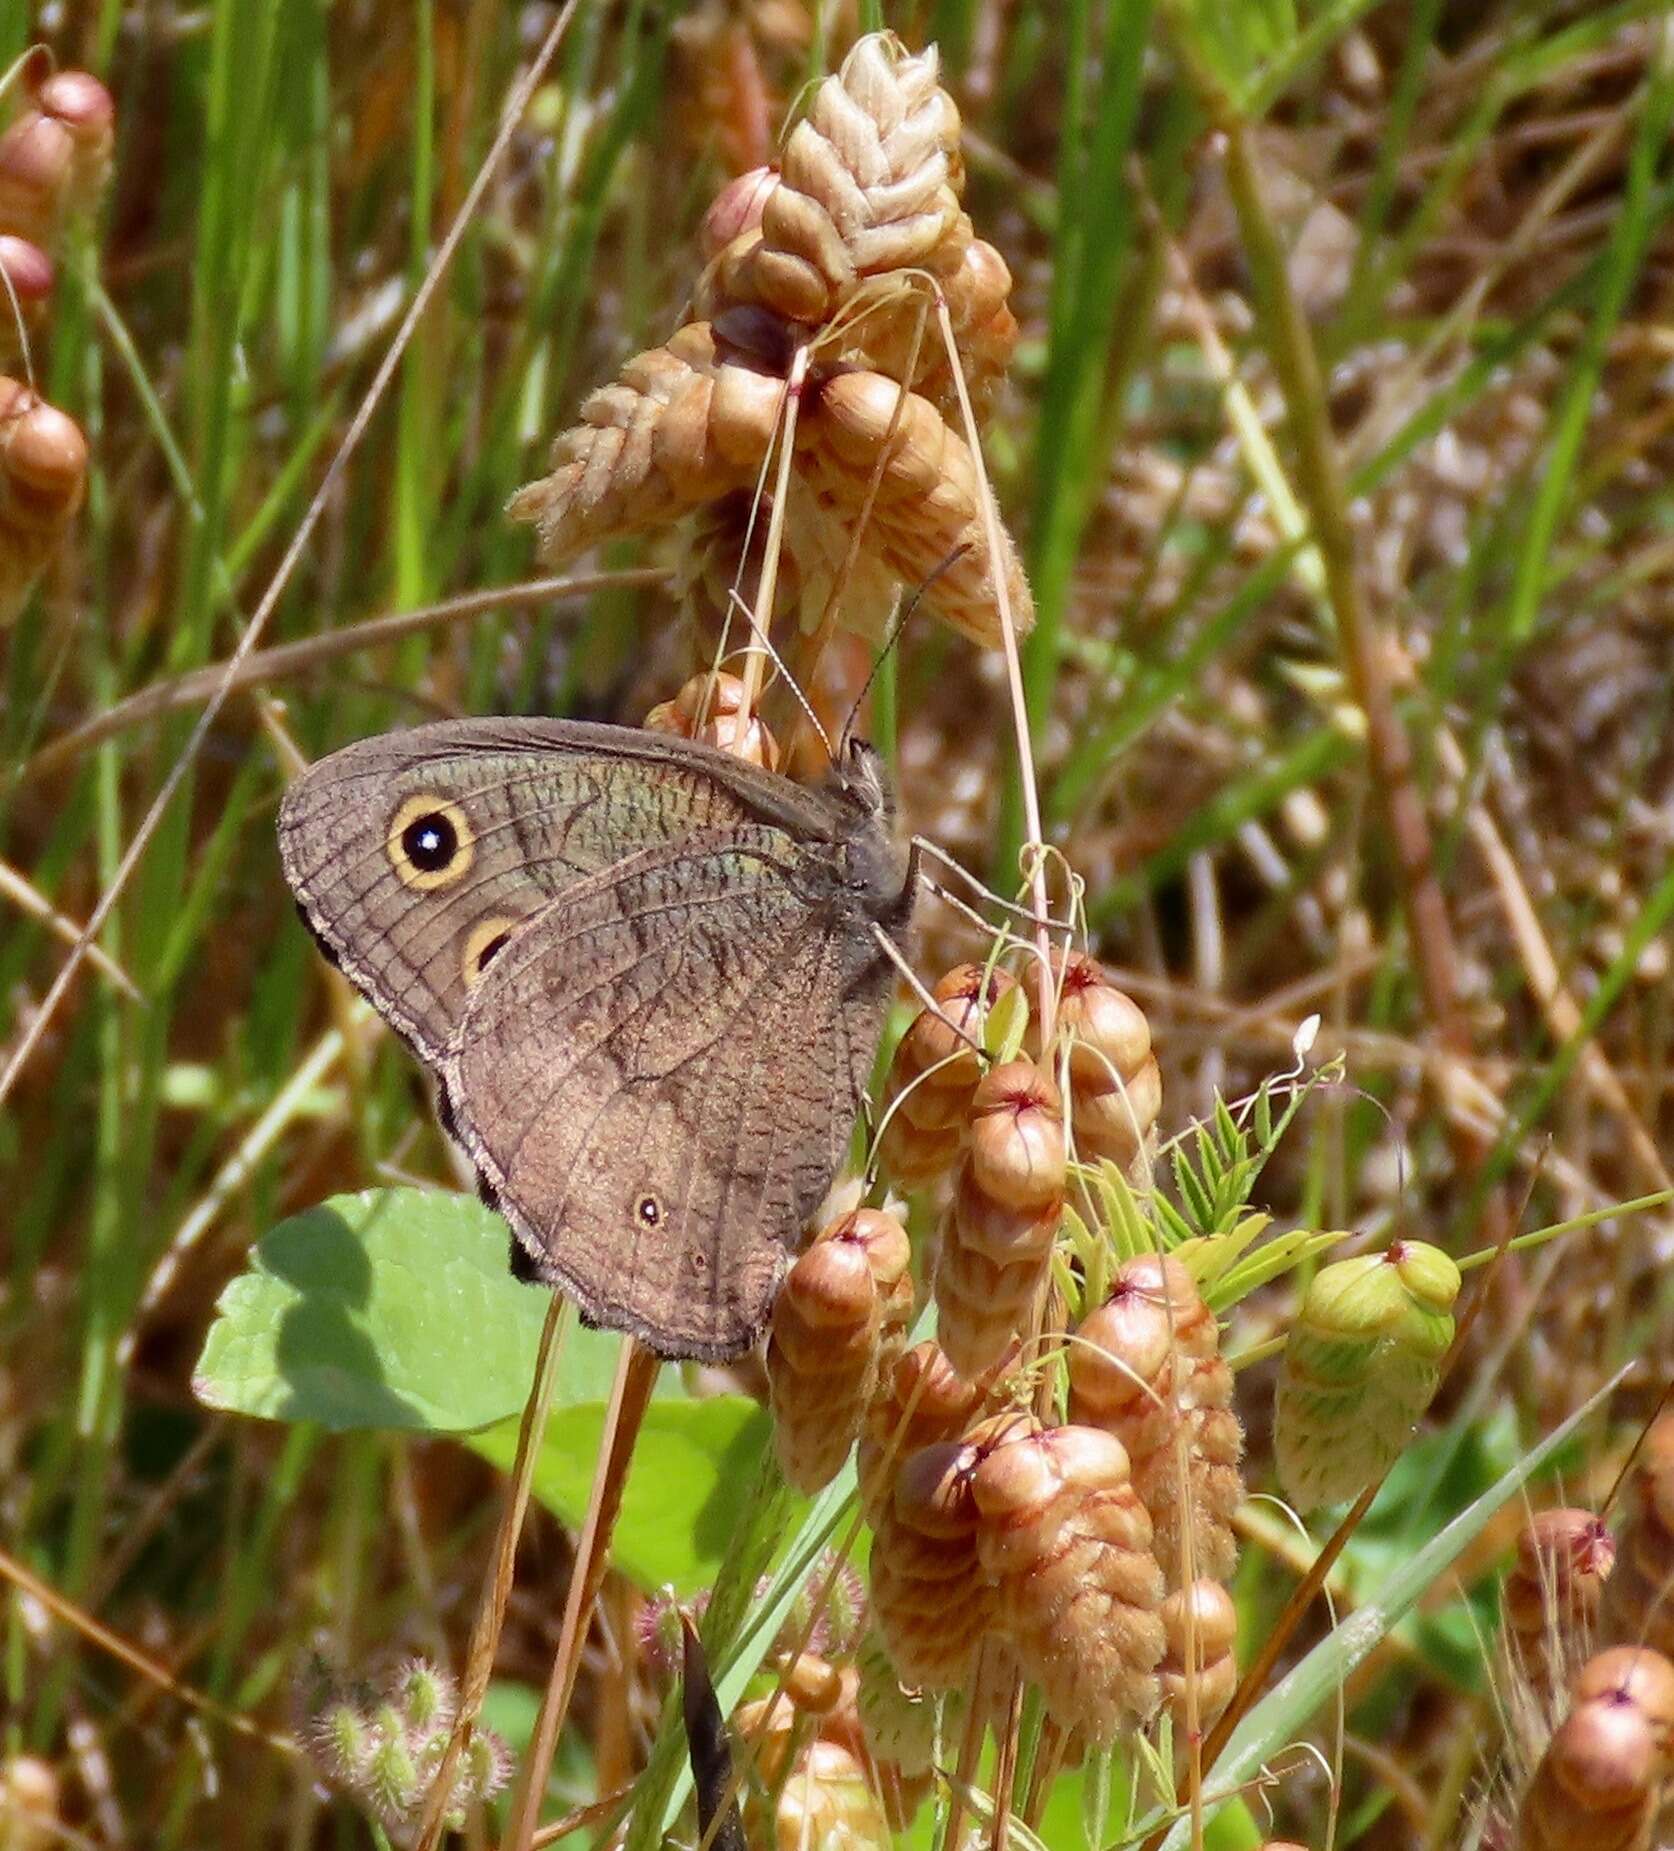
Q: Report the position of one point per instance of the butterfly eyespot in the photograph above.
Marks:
(430, 842)
(648, 1211)
(483, 944)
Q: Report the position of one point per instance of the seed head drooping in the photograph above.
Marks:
(850, 1288)
(1552, 1595)
(711, 708)
(1599, 1783)
(921, 1398)
(1067, 1544)
(1008, 1200)
(1115, 1085)
(1146, 1366)
(934, 1073)
(930, 1596)
(1362, 1361)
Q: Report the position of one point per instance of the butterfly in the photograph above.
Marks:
(649, 977)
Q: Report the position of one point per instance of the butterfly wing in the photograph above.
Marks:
(415, 857)
(659, 1078)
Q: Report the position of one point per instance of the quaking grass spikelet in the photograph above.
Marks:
(55, 155)
(1600, 1781)
(1067, 1544)
(1008, 1200)
(934, 1072)
(1200, 1624)
(1552, 1596)
(850, 1288)
(921, 1398)
(43, 474)
(711, 708)
(1146, 1366)
(684, 423)
(1361, 1363)
(930, 1595)
(1115, 1084)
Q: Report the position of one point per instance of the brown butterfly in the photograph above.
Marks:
(651, 979)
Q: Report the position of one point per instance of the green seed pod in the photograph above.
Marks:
(1361, 1363)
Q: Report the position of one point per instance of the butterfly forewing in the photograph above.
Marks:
(415, 856)
(659, 1082)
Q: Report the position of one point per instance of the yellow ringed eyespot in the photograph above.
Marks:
(430, 842)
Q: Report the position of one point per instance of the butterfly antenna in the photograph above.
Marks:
(759, 630)
(893, 634)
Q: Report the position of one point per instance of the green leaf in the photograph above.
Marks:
(1005, 1024)
(681, 1501)
(393, 1308)
(396, 1309)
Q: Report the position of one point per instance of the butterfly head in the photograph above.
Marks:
(878, 867)
(859, 773)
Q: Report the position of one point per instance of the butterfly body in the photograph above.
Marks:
(647, 975)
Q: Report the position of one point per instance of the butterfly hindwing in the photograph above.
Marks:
(659, 1081)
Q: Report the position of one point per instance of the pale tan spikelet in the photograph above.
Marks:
(1551, 1598)
(1079, 1593)
(868, 184)
(27, 278)
(933, 1074)
(711, 708)
(1201, 1625)
(827, 1333)
(684, 423)
(921, 1399)
(1102, 1037)
(926, 520)
(1638, 1606)
(930, 1597)
(55, 157)
(1146, 1366)
(999, 1230)
(1599, 1783)
(824, 1800)
(43, 474)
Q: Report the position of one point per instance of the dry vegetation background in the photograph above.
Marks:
(1467, 207)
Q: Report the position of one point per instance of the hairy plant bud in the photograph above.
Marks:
(1103, 1039)
(736, 209)
(1017, 1138)
(827, 1332)
(1146, 1366)
(1361, 1363)
(934, 1072)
